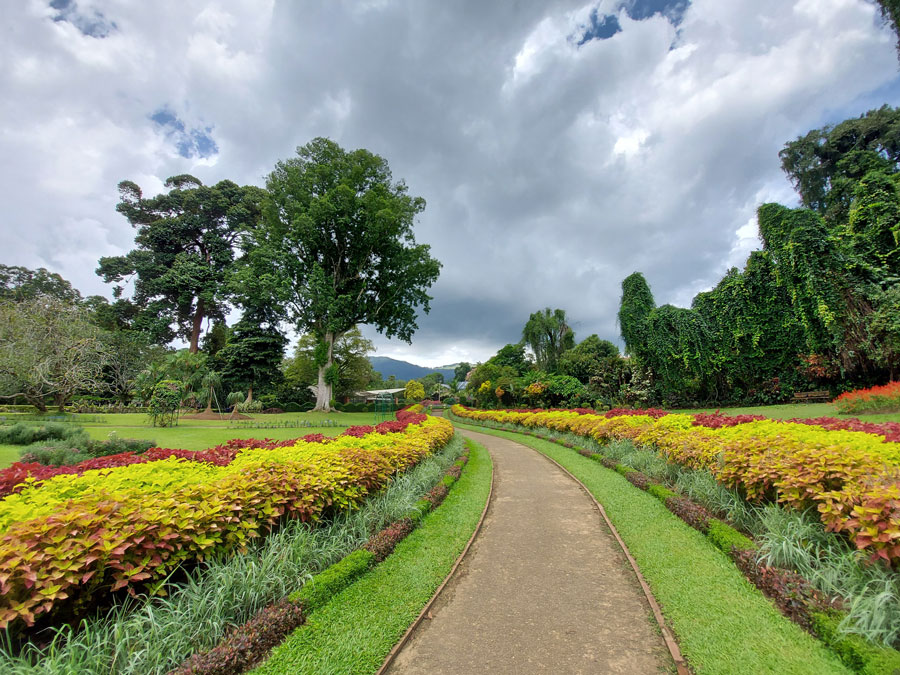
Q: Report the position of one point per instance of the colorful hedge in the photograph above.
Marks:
(851, 477)
(15, 478)
(74, 537)
(874, 399)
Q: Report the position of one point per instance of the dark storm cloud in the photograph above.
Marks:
(551, 170)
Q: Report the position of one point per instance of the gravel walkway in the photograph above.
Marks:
(544, 588)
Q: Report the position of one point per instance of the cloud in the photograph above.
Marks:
(551, 170)
(195, 142)
(90, 22)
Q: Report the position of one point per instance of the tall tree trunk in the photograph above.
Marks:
(59, 400)
(209, 399)
(249, 394)
(323, 388)
(195, 329)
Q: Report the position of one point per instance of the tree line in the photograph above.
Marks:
(326, 245)
(817, 308)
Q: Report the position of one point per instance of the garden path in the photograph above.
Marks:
(544, 588)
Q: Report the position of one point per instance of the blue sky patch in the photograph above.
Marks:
(195, 142)
(638, 10)
(93, 24)
(600, 27)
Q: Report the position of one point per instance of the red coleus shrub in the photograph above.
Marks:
(382, 544)
(717, 420)
(655, 413)
(246, 644)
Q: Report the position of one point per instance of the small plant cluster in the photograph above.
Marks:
(246, 645)
(794, 595)
(75, 538)
(852, 478)
(885, 398)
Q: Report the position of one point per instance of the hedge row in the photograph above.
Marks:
(77, 538)
(249, 643)
(851, 477)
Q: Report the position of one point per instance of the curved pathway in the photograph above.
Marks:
(544, 588)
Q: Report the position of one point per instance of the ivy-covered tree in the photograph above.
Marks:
(340, 235)
(634, 309)
(826, 164)
(548, 335)
(185, 240)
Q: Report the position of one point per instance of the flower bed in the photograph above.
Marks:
(74, 537)
(885, 398)
(851, 477)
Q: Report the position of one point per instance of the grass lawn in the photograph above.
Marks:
(723, 624)
(802, 410)
(202, 434)
(354, 632)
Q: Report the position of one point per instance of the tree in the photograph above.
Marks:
(634, 310)
(825, 164)
(341, 238)
(588, 358)
(414, 391)
(890, 11)
(253, 354)
(354, 369)
(512, 355)
(21, 283)
(127, 354)
(185, 248)
(548, 335)
(48, 347)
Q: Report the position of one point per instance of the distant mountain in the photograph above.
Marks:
(403, 370)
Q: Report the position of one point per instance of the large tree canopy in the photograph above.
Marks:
(185, 248)
(548, 335)
(825, 164)
(340, 235)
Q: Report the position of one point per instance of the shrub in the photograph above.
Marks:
(637, 479)
(26, 434)
(246, 644)
(874, 399)
(437, 494)
(661, 492)
(853, 650)
(165, 403)
(324, 585)
(727, 538)
(792, 594)
(690, 512)
(293, 407)
(382, 544)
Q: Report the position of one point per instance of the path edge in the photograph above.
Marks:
(427, 608)
(681, 664)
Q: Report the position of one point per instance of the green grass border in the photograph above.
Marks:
(358, 627)
(723, 624)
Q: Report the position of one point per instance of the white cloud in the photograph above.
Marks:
(551, 170)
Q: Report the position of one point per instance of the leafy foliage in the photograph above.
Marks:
(185, 249)
(548, 335)
(340, 237)
(165, 403)
(69, 540)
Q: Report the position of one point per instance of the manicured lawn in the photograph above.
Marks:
(8, 454)
(723, 624)
(802, 410)
(354, 632)
(202, 434)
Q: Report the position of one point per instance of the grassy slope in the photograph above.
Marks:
(8, 454)
(802, 410)
(355, 631)
(723, 624)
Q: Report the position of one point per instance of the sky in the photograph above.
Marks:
(560, 145)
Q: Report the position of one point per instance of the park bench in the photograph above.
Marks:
(810, 396)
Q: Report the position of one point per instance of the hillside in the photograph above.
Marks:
(403, 370)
